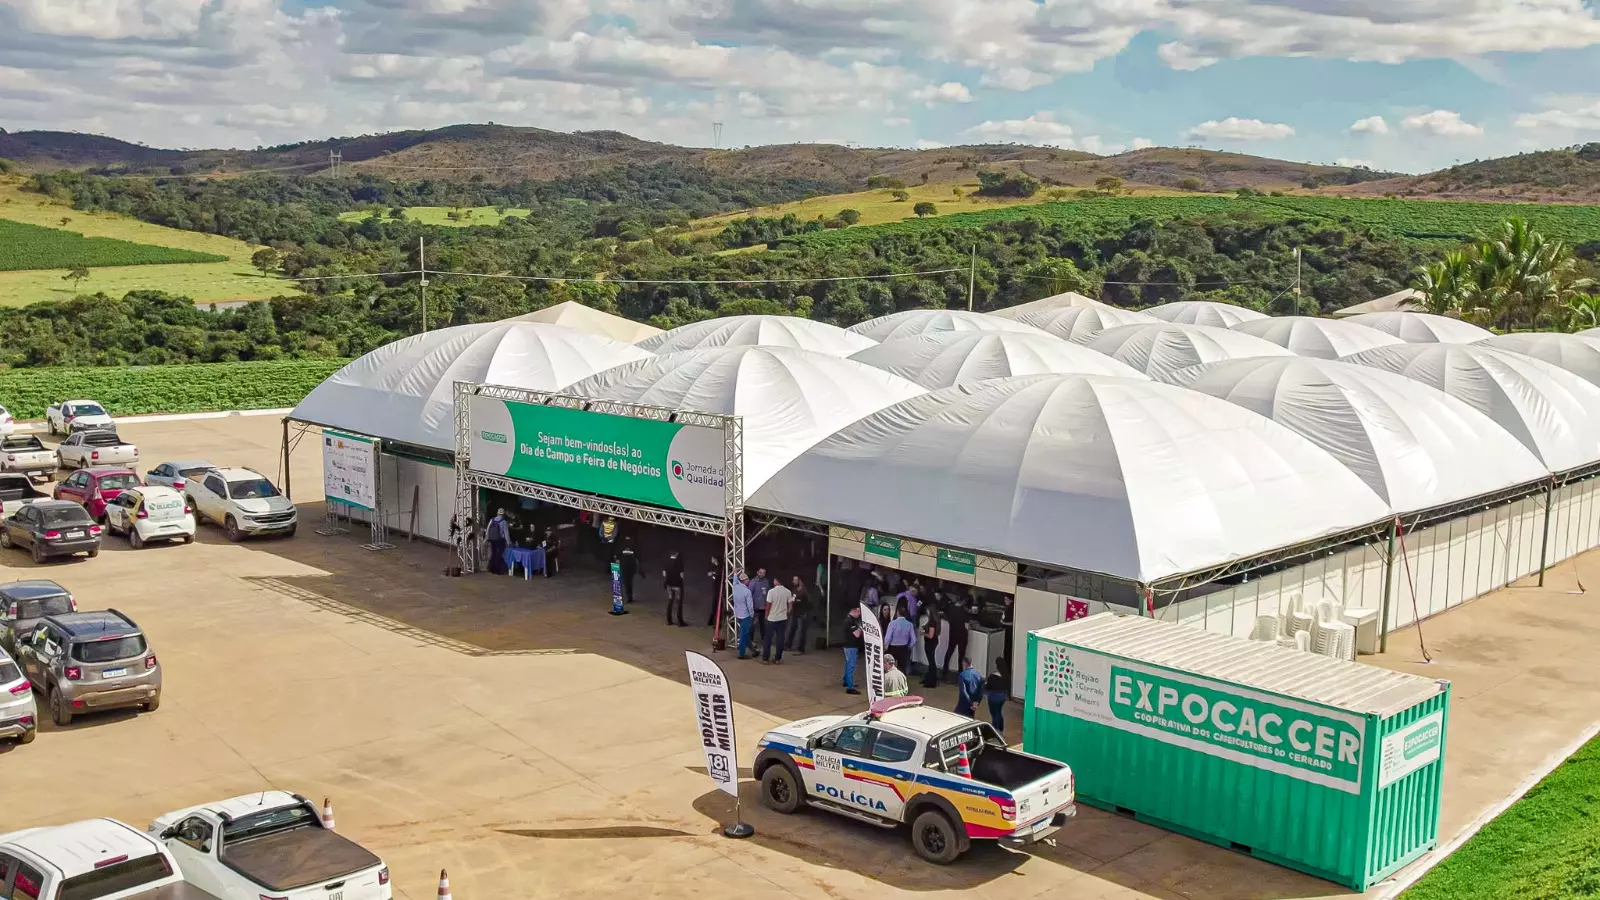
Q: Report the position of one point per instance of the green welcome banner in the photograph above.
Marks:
(660, 463)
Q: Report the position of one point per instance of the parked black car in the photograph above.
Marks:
(51, 528)
(24, 603)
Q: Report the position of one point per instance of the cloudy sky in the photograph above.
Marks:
(1409, 85)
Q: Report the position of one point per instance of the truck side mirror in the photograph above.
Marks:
(169, 833)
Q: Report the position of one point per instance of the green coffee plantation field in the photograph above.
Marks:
(167, 389)
(1429, 221)
(24, 246)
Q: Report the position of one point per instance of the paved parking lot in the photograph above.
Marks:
(513, 733)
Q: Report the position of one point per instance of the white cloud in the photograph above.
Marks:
(1370, 125)
(897, 121)
(949, 92)
(1140, 143)
(1565, 113)
(1441, 123)
(1039, 128)
(931, 145)
(1234, 128)
(1349, 163)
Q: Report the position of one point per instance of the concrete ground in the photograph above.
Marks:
(513, 733)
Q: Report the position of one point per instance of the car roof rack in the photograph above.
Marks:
(890, 704)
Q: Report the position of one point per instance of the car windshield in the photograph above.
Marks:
(58, 516)
(39, 607)
(262, 824)
(109, 650)
(116, 879)
(118, 482)
(9, 672)
(85, 409)
(254, 489)
(102, 438)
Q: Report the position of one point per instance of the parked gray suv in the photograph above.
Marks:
(90, 661)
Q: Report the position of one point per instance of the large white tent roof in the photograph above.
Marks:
(1414, 446)
(576, 315)
(1575, 353)
(1422, 328)
(1079, 323)
(789, 398)
(1161, 349)
(1322, 338)
(758, 331)
(941, 359)
(1554, 413)
(1404, 300)
(1590, 333)
(1204, 312)
(913, 322)
(1128, 478)
(1068, 300)
(404, 391)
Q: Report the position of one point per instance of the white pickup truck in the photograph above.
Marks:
(17, 491)
(952, 779)
(99, 447)
(100, 858)
(25, 453)
(75, 415)
(269, 846)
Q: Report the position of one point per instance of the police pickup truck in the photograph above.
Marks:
(952, 779)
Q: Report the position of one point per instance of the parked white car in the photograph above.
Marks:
(100, 858)
(19, 715)
(98, 447)
(271, 845)
(178, 474)
(76, 415)
(150, 513)
(243, 502)
(8, 425)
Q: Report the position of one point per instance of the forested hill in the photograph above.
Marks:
(1569, 175)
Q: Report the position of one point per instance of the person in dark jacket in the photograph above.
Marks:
(855, 643)
(970, 683)
(672, 579)
(957, 617)
(930, 646)
(628, 568)
(499, 536)
(805, 600)
(997, 690)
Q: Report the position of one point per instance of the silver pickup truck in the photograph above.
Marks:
(96, 447)
(26, 454)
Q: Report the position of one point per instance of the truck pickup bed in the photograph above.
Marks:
(17, 491)
(1009, 769)
(180, 891)
(291, 860)
(25, 453)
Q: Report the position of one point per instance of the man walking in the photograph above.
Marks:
(628, 568)
(997, 690)
(894, 680)
(855, 643)
(779, 601)
(759, 586)
(957, 617)
(805, 601)
(930, 647)
(672, 578)
(743, 612)
(971, 693)
(499, 536)
(899, 637)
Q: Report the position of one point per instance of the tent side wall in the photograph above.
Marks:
(408, 484)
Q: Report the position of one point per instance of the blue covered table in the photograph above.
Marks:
(529, 558)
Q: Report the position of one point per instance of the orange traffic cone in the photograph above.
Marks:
(444, 885)
(327, 813)
(963, 763)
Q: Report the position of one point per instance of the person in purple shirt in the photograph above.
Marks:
(743, 612)
(759, 586)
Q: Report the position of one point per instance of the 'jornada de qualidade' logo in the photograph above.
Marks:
(677, 470)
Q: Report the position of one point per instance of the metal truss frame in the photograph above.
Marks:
(469, 540)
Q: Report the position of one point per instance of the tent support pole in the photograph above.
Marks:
(288, 479)
(1388, 589)
(1544, 546)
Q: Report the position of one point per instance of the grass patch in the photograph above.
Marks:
(138, 390)
(24, 246)
(876, 207)
(440, 215)
(1545, 847)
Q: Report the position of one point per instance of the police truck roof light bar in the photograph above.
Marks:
(889, 704)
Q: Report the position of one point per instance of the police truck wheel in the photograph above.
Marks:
(934, 838)
(779, 789)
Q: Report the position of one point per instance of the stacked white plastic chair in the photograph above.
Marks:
(1266, 629)
(1330, 634)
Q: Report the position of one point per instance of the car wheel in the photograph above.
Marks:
(38, 554)
(232, 529)
(134, 540)
(934, 838)
(290, 532)
(154, 703)
(780, 790)
(187, 539)
(5, 540)
(60, 712)
(198, 518)
(28, 736)
(93, 553)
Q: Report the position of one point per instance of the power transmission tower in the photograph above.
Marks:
(335, 161)
(716, 135)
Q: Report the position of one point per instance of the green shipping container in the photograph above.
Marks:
(1330, 767)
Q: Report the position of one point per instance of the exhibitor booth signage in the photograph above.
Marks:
(661, 463)
(349, 470)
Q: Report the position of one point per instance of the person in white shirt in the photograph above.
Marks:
(779, 601)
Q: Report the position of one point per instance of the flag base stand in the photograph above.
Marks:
(739, 830)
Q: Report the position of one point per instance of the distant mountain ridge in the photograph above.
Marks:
(502, 153)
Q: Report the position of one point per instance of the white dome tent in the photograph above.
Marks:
(1578, 355)
(1161, 349)
(1079, 323)
(1320, 338)
(1554, 413)
(789, 398)
(1204, 312)
(945, 358)
(575, 315)
(1422, 328)
(1068, 300)
(1590, 333)
(1405, 440)
(913, 322)
(404, 391)
(1130, 479)
(758, 331)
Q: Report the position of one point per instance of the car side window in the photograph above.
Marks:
(850, 740)
(196, 832)
(8, 864)
(27, 884)
(163, 470)
(214, 485)
(890, 747)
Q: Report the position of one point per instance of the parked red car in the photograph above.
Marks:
(92, 487)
